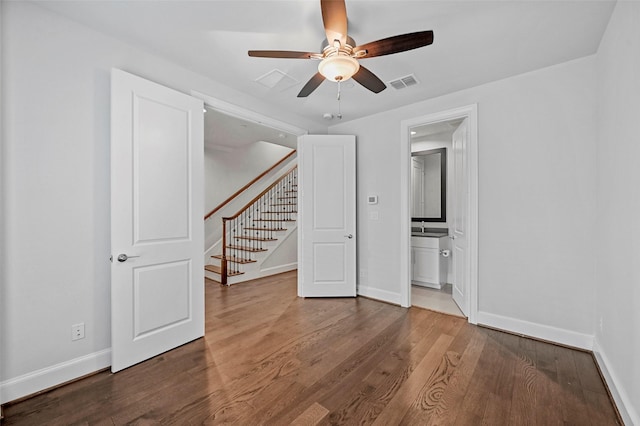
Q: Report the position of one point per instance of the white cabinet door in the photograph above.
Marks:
(327, 216)
(157, 271)
(426, 268)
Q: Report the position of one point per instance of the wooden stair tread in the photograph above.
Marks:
(255, 228)
(255, 238)
(213, 268)
(289, 197)
(284, 204)
(288, 211)
(273, 220)
(234, 259)
(244, 248)
(218, 270)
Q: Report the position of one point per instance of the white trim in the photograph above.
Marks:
(471, 113)
(382, 295)
(245, 114)
(55, 375)
(538, 331)
(623, 403)
(279, 269)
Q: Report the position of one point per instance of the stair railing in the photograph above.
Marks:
(254, 180)
(249, 230)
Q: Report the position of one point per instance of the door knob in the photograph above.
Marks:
(123, 257)
(349, 236)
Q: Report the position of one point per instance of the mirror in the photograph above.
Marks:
(429, 185)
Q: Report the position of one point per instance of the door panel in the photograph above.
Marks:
(160, 297)
(161, 144)
(327, 221)
(157, 288)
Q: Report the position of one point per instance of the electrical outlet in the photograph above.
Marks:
(77, 331)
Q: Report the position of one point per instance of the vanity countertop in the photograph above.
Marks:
(429, 232)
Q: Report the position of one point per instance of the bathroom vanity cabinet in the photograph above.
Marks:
(429, 267)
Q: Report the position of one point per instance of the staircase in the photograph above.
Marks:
(256, 230)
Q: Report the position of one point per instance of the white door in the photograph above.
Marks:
(460, 222)
(157, 271)
(327, 216)
(417, 187)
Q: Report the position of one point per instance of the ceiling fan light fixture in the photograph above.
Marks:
(338, 67)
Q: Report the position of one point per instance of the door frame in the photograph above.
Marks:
(471, 113)
(246, 114)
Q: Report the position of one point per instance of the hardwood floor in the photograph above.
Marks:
(269, 357)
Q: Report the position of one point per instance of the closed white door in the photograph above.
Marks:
(327, 216)
(157, 271)
(460, 222)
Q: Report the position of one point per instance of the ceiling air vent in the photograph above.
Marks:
(402, 82)
(277, 80)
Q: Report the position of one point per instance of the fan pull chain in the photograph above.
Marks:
(339, 106)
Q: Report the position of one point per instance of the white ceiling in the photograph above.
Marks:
(475, 42)
(228, 132)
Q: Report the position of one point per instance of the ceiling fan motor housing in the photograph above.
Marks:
(338, 63)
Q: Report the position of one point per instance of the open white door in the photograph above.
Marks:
(157, 271)
(327, 216)
(460, 222)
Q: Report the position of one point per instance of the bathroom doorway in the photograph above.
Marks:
(449, 234)
(431, 197)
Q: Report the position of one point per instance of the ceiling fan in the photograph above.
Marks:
(340, 54)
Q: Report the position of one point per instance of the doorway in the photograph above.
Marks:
(432, 195)
(240, 147)
(463, 204)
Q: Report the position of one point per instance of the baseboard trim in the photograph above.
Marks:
(382, 295)
(46, 378)
(537, 331)
(278, 269)
(623, 403)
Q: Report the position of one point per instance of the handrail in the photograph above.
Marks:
(257, 197)
(248, 206)
(257, 178)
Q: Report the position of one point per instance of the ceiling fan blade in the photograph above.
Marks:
(369, 80)
(334, 17)
(311, 85)
(287, 54)
(395, 44)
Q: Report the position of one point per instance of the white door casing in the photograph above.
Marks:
(326, 216)
(460, 218)
(157, 287)
(404, 276)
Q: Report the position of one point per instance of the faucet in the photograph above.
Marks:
(423, 226)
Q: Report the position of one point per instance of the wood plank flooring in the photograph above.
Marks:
(269, 357)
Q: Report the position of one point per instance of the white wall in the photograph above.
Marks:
(536, 199)
(226, 170)
(617, 319)
(55, 108)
